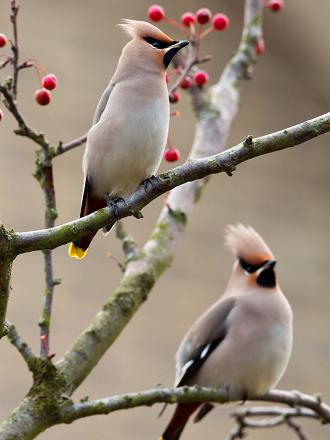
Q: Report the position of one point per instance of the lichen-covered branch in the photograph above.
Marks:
(44, 175)
(6, 259)
(303, 405)
(190, 171)
(129, 245)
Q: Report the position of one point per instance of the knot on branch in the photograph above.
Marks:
(228, 168)
(248, 143)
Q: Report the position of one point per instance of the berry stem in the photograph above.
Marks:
(206, 32)
(169, 143)
(175, 24)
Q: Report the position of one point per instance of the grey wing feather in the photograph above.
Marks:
(102, 103)
(211, 328)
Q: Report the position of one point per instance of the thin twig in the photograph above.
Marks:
(14, 46)
(21, 346)
(63, 148)
(277, 416)
(296, 429)
(4, 63)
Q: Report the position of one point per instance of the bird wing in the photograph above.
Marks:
(203, 337)
(102, 103)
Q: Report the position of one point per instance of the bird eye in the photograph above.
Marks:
(250, 268)
(156, 43)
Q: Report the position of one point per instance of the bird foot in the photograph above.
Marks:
(112, 203)
(152, 180)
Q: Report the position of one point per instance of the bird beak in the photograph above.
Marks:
(172, 51)
(269, 265)
(180, 44)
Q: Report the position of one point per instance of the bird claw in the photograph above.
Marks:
(152, 180)
(112, 203)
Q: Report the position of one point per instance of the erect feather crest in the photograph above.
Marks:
(143, 29)
(246, 243)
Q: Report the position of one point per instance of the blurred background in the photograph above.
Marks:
(285, 196)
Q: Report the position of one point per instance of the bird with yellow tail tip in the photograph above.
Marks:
(126, 142)
(242, 343)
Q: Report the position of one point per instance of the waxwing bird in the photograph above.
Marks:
(127, 139)
(242, 343)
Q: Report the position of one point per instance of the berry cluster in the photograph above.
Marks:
(43, 95)
(191, 24)
(48, 82)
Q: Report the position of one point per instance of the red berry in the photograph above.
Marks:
(260, 46)
(49, 81)
(174, 97)
(3, 40)
(172, 155)
(156, 13)
(201, 77)
(188, 18)
(203, 15)
(185, 83)
(42, 96)
(1, 115)
(275, 5)
(220, 22)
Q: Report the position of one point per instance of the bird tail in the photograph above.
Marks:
(78, 249)
(179, 420)
(89, 203)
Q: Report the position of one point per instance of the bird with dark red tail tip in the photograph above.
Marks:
(242, 343)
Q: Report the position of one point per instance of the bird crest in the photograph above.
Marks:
(244, 242)
(143, 29)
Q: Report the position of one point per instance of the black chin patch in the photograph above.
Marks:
(267, 278)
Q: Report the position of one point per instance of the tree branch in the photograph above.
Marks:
(63, 148)
(190, 171)
(276, 416)
(129, 245)
(304, 404)
(21, 346)
(6, 260)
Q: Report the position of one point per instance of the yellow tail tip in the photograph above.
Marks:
(76, 252)
(161, 438)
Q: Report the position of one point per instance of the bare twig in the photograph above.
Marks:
(295, 428)
(6, 61)
(276, 416)
(21, 346)
(14, 46)
(63, 148)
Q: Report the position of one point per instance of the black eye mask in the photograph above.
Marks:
(251, 268)
(158, 44)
